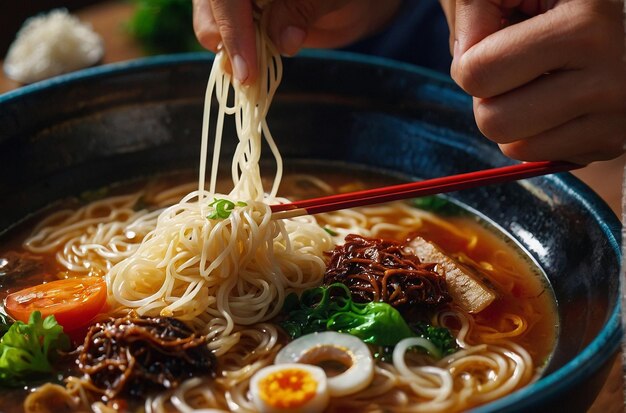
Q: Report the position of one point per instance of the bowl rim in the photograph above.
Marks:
(605, 344)
(547, 387)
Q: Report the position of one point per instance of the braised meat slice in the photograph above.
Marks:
(469, 288)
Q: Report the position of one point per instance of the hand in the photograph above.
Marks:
(292, 24)
(550, 87)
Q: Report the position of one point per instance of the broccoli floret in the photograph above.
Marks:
(441, 337)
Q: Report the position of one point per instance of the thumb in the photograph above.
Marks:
(474, 20)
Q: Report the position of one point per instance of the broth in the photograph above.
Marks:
(523, 288)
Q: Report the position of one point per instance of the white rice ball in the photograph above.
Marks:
(51, 44)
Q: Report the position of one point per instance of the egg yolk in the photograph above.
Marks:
(287, 389)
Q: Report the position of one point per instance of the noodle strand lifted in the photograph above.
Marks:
(239, 268)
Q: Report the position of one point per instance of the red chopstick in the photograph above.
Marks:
(422, 188)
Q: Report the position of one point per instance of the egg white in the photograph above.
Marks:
(359, 374)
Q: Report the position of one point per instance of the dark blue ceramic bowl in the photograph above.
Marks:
(112, 123)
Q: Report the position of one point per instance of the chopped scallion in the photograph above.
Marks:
(223, 208)
(330, 232)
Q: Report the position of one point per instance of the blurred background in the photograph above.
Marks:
(14, 14)
(138, 28)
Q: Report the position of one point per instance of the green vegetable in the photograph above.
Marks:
(332, 308)
(439, 336)
(25, 349)
(330, 232)
(376, 323)
(164, 26)
(438, 205)
(5, 323)
(223, 208)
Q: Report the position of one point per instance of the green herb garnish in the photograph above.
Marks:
(437, 204)
(223, 208)
(26, 349)
(330, 232)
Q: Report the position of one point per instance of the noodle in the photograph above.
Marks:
(237, 269)
(474, 375)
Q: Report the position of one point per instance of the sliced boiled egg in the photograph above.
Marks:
(291, 387)
(348, 360)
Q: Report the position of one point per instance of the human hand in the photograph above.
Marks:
(291, 24)
(550, 87)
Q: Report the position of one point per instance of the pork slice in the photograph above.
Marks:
(469, 288)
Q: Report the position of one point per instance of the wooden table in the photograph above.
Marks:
(605, 178)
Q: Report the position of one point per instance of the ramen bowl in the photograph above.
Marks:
(109, 124)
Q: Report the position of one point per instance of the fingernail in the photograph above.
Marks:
(291, 40)
(240, 68)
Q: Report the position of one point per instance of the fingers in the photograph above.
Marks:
(326, 23)
(342, 22)
(289, 23)
(475, 20)
(229, 23)
(497, 65)
(577, 115)
(552, 86)
(518, 54)
(553, 99)
(583, 140)
(204, 25)
(236, 27)
(292, 21)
